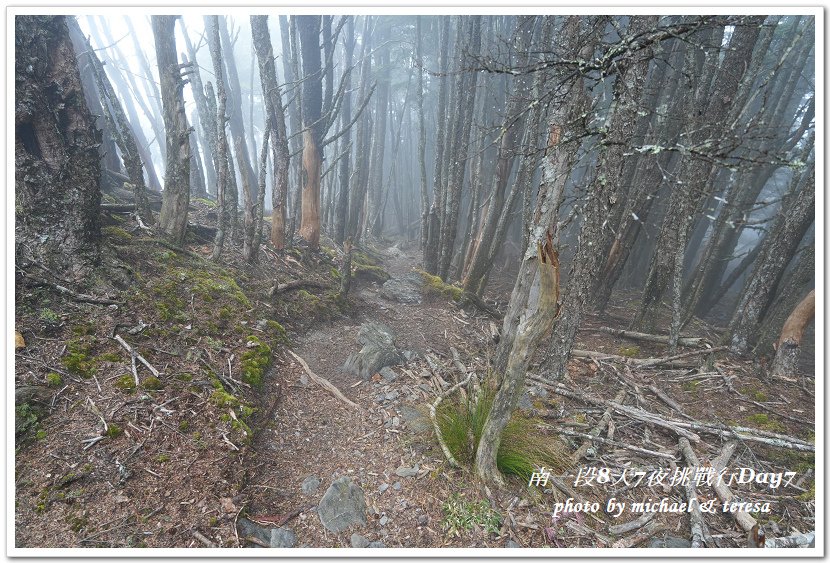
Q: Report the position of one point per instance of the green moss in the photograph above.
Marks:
(205, 201)
(116, 235)
(53, 379)
(126, 383)
(370, 273)
(308, 297)
(335, 274)
(77, 523)
(186, 377)
(278, 330)
(765, 422)
(691, 386)
(254, 361)
(162, 458)
(113, 430)
(152, 383)
(225, 313)
(184, 426)
(629, 351)
(436, 286)
(108, 357)
(40, 434)
(84, 328)
(222, 398)
(78, 358)
(212, 521)
(49, 316)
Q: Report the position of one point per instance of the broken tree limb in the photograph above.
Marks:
(657, 338)
(621, 529)
(603, 423)
(631, 412)
(744, 520)
(323, 382)
(432, 415)
(589, 438)
(81, 297)
(700, 531)
(295, 284)
(141, 358)
(636, 362)
(797, 540)
(660, 361)
(669, 401)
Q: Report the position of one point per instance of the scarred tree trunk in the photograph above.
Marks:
(56, 160)
(221, 157)
(789, 343)
(176, 195)
(276, 115)
(309, 31)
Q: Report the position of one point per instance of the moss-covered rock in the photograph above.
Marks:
(254, 361)
(436, 286)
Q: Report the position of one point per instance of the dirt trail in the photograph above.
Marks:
(313, 433)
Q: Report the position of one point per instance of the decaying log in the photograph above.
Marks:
(744, 520)
(700, 531)
(323, 382)
(657, 338)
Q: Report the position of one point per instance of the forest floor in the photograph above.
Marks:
(233, 434)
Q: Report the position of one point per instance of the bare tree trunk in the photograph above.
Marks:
(362, 140)
(793, 220)
(150, 87)
(422, 139)
(789, 343)
(291, 45)
(792, 289)
(57, 168)
(376, 181)
(309, 31)
(221, 156)
(342, 211)
(176, 195)
(276, 116)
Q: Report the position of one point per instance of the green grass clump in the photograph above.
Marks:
(49, 316)
(461, 516)
(523, 447)
(763, 421)
(254, 361)
(113, 430)
(53, 379)
(436, 286)
(126, 383)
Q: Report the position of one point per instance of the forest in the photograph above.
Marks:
(415, 281)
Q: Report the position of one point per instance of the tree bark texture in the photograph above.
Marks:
(309, 31)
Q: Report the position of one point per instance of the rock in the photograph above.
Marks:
(410, 355)
(303, 379)
(378, 351)
(415, 419)
(384, 520)
(396, 485)
(511, 544)
(377, 544)
(359, 541)
(392, 395)
(670, 542)
(248, 528)
(227, 505)
(404, 471)
(401, 291)
(388, 374)
(383, 487)
(423, 520)
(262, 324)
(282, 537)
(19, 342)
(310, 484)
(342, 506)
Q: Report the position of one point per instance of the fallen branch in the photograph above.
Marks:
(669, 401)
(80, 297)
(323, 382)
(606, 418)
(432, 408)
(658, 338)
(296, 284)
(471, 298)
(589, 438)
(744, 520)
(621, 529)
(203, 539)
(141, 358)
(636, 362)
(700, 531)
(660, 361)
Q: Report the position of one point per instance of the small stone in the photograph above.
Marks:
(388, 374)
(343, 505)
(227, 504)
(392, 395)
(384, 520)
(383, 487)
(262, 324)
(396, 421)
(423, 519)
(377, 544)
(396, 485)
(404, 471)
(670, 542)
(282, 537)
(359, 541)
(121, 499)
(310, 484)
(511, 544)
(303, 379)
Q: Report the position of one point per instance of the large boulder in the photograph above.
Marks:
(403, 290)
(378, 351)
(343, 506)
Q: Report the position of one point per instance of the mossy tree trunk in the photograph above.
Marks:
(176, 195)
(57, 166)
